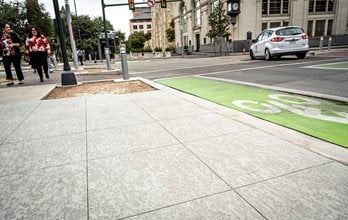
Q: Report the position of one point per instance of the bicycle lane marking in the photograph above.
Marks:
(324, 119)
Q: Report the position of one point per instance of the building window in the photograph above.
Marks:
(264, 26)
(274, 24)
(329, 27)
(214, 5)
(148, 26)
(321, 6)
(197, 6)
(141, 27)
(319, 28)
(272, 7)
(285, 23)
(310, 28)
(135, 27)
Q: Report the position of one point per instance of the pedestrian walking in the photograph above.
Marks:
(80, 56)
(38, 48)
(10, 44)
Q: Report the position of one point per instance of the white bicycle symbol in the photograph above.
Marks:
(295, 104)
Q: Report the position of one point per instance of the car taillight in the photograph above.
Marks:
(277, 39)
(304, 36)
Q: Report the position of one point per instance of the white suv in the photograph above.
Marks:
(276, 42)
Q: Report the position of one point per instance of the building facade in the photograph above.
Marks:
(317, 17)
(161, 19)
(141, 22)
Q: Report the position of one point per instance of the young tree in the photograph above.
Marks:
(219, 24)
(170, 32)
(137, 40)
(13, 13)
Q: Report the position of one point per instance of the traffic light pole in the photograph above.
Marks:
(68, 77)
(107, 52)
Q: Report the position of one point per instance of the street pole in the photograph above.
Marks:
(107, 53)
(71, 34)
(181, 36)
(68, 77)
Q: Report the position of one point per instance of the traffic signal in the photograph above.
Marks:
(131, 4)
(163, 3)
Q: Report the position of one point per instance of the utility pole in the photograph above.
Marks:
(71, 33)
(107, 52)
(68, 77)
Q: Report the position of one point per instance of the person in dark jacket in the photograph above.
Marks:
(10, 44)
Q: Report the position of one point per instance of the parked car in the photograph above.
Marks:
(276, 42)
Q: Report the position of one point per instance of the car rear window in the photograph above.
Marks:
(289, 31)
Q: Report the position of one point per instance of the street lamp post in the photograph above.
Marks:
(107, 52)
(68, 77)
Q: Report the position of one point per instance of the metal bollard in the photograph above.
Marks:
(124, 62)
(321, 43)
(329, 44)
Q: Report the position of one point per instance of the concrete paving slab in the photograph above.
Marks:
(47, 128)
(202, 126)
(127, 139)
(27, 93)
(117, 111)
(316, 193)
(227, 205)
(43, 153)
(54, 193)
(143, 181)
(251, 156)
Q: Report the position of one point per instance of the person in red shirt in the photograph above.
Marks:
(11, 54)
(37, 48)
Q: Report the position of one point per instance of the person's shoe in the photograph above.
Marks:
(51, 71)
(20, 83)
(34, 71)
(10, 84)
(41, 79)
(47, 76)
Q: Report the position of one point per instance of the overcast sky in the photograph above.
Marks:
(118, 16)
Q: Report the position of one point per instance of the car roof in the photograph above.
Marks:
(278, 28)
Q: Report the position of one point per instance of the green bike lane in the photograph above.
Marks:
(320, 118)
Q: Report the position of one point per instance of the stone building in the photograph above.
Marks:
(317, 17)
(161, 19)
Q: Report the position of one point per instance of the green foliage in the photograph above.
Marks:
(158, 49)
(13, 13)
(147, 49)
(37, 16)
(136, 40)
(170, 32)
(219, 23)
(171, 48)
(148, 36)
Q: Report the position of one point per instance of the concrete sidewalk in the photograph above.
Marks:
(159, 155)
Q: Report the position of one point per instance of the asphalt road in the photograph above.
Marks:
(288, 72)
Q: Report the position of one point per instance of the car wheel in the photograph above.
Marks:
(267, 55)
(252, 55)
(301, 55)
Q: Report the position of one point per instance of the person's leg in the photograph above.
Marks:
(7, 65)
(43, 61)
(17, 66)
(35, 60)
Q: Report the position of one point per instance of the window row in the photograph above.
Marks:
(271, 7)
(321, 6)
(319, 27)
(141, 27)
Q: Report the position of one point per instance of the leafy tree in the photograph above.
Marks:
(148, 36)
(37, 16)
(13, 14)
(120, 37)
(219, 24)
(170, 32)
(137, 40)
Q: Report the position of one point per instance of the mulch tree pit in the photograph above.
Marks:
(93, 88)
